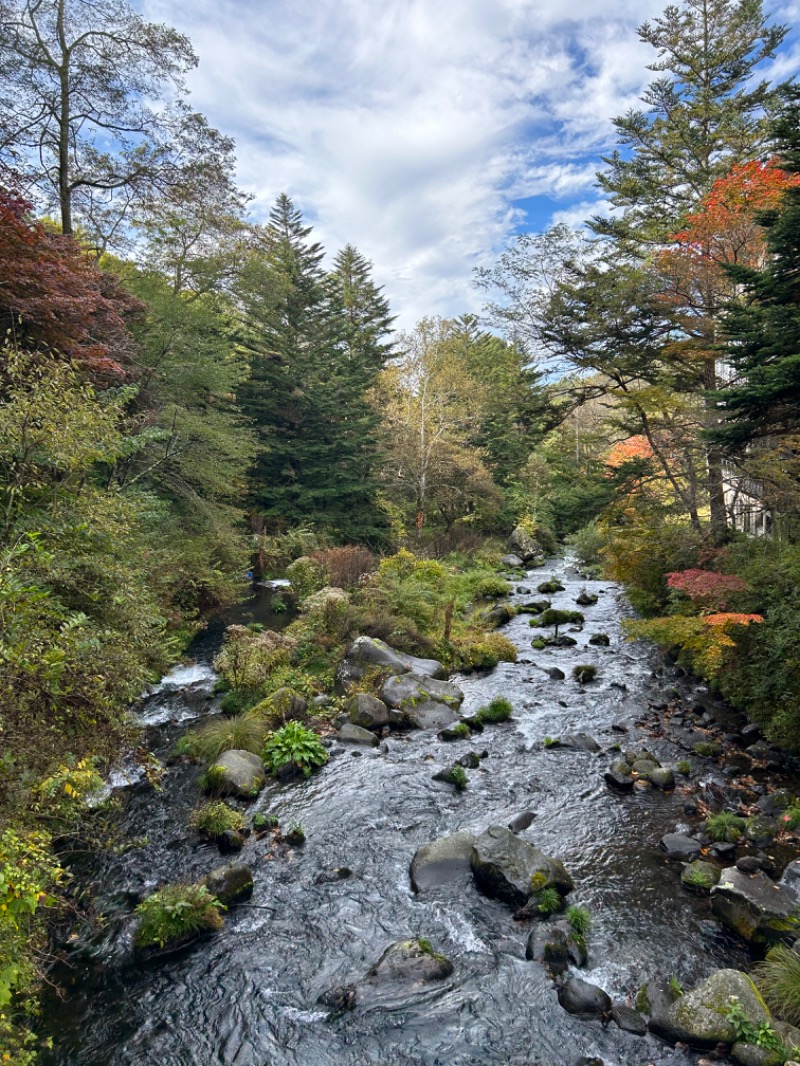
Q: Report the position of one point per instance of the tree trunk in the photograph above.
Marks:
(716, 483)
(64, 190)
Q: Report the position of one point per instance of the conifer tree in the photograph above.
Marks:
(763, 346)
(310, 366)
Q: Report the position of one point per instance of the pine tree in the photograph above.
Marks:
(763, 332)
(704, 114)
(310, 369)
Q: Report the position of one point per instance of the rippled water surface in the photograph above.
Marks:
(248, 996)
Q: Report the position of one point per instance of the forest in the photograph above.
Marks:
(191, 398)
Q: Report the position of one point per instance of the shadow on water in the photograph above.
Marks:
(248, 997)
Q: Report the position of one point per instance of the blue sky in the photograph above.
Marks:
(425, 133)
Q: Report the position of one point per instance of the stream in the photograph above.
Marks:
(248, 996)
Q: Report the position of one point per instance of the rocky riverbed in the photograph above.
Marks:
(346, 954)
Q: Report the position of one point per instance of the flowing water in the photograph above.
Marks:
(248, 996)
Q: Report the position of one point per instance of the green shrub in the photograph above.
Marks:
(236, 701)
(489, 587)
(176, 913)
(551, 742)
(587, 545)
(539, 643)
(245, 733)
(725, 827)
(262, 822)
(457, 777)
(497, 710)
(294, 743)
(215, 818)
(248, 658)
(486, 652)
(684, 767)
(778, 979)
(580, 920)
(307, 576)
(790, 819)
(549, 901)
(553, 617)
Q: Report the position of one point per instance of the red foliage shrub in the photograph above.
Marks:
(346, 566)
(54, 298)
(706, 586)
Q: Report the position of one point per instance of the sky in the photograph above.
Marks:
(425, 133)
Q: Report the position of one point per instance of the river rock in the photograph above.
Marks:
(410, 962)
(583, 999)
(699, 1017)
(522, 544)
(628, 1019)
(238, 773)
(700, 876)
(662, 777)
(790, 880)
(368, 652)
(513, 561)
(520, 822)
(405, 690)
(752, 1055)
(510, 869)
(230, 883)
(367, 711)
(354, 734)
(556, 947)
(680, 848)
(754, 906)
(619, 780)
(499, 614)
(555, 674)
(429, 715)
(576, 742)
(442, 861)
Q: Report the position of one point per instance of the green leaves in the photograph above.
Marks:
(293, 743)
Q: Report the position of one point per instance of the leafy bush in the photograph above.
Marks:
(489, 587)
(215, 818)
(497, 710)
(294, 743)
(307, 575)
(587, 546)
(248, 658)
(176, 913)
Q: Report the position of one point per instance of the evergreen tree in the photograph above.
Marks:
(704, 113)
(764, 331)
(310, 366)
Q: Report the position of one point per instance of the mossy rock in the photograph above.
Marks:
(700, 877)
(549, 588)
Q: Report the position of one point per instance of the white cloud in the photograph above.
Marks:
(409, 128)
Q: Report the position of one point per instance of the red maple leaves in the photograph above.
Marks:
(54, 298)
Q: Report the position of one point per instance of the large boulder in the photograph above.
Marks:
(521, 543)
(230, 883)
(513, 561)
(366, 653)
(237, 773)
(407, 689)
(754, 906)
(701, 1017)
(367, 711)
(442, 861)
(411, 962)
(508, 868)
(428, 715)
